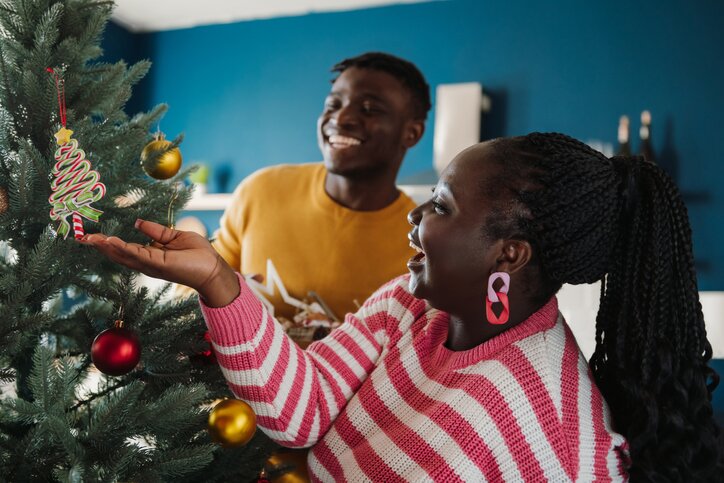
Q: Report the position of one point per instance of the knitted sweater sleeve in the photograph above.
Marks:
(296, 394)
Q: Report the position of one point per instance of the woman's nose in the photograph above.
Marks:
(413, 217)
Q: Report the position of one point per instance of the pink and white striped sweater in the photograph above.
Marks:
(382, 399)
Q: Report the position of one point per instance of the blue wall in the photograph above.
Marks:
(119, 44)
(248, 94)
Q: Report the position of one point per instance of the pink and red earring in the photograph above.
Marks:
(498, 296)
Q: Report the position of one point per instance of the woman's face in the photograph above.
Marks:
(455, 256)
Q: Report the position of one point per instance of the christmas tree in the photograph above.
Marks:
(60, 418)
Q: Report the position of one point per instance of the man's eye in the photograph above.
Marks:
(331, 105)
(368, 107)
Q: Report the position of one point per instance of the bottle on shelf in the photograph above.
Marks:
(624, 147)
(645, 148)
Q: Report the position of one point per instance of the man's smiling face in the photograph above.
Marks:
(363, 128)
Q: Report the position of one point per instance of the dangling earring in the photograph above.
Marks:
(498, 296)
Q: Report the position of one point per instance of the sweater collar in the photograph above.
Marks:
(544, 319)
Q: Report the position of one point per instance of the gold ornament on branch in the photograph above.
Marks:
(159, 160)
(287, 466)
(232, 423)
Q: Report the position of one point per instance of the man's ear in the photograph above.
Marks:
(514, 255)
(413, 132)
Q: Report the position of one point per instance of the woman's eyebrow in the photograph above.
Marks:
(444, 188)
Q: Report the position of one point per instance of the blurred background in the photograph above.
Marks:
(245, 83)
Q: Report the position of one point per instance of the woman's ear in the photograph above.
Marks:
(515, 254)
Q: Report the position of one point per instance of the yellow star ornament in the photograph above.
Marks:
(63, 136)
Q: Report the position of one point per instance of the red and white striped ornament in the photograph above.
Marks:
(75, 185)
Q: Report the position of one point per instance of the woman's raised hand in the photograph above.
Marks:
(176, 256)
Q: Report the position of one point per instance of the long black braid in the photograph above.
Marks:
(622, 221)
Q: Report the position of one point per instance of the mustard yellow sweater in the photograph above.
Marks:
(282, 213)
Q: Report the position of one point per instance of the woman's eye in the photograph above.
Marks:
(439, 209)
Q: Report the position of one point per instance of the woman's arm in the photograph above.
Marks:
(296, 394)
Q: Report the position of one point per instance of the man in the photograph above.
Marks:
(337, 228)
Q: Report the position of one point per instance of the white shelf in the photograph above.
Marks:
(219, 201)
(209, 202)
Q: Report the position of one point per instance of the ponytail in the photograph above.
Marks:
(622, 221)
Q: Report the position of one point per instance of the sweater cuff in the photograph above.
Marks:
(237, 322)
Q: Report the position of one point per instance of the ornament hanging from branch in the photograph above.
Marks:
(232, 422)
(285, 465)
(76, 185)
(116, 351)
(159, 159)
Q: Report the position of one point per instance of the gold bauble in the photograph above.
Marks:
(287, 466)
(159, 161)
(232, 423)
(4, 201)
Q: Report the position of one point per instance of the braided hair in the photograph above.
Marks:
(622, 221)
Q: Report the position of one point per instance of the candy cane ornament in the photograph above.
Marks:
(76, 185)
(77, 225)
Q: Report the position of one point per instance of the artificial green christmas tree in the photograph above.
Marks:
(60, 418)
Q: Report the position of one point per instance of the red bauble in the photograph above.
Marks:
(116, 351)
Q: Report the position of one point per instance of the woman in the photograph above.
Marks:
(464, 369)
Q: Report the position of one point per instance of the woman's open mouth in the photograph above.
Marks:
(418, 259)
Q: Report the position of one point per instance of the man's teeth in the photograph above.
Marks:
(344, 140)
(415, 247)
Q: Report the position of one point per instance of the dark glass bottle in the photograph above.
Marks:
(645, 148)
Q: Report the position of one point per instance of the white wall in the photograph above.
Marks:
(579, 305)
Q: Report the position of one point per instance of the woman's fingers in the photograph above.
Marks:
(93, 239)
(157, 232)
(132, 255)
(148, 260)
(176, 256)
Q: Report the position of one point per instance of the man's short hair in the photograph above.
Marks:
(404, 71)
